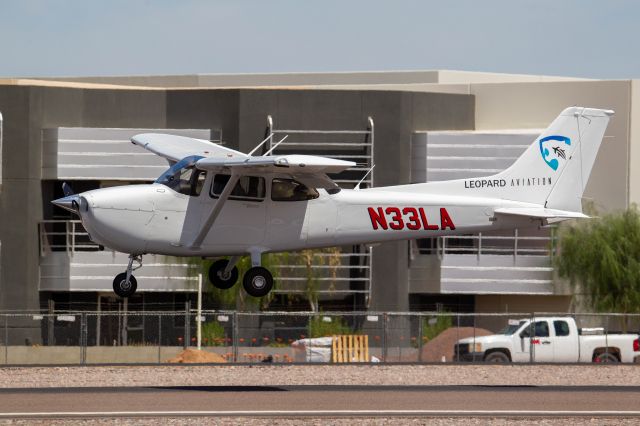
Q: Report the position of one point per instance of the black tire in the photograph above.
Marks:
(121, 288)
(606, 358)
(216, 278)
(257, 282)
(497, 358)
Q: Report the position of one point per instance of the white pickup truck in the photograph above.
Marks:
(549, 339)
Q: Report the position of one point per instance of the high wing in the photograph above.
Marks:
(174, 148)
(309, 169)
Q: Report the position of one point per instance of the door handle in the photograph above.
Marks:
(546, 342)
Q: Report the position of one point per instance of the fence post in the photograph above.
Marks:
(384, 337)
(83, 338)
(532, 329)
(234, 337)
(606, 335)
(457, 354)
(474, 334)
(51, 337)
(6, 339)
(420, 321)
(187, 324)
(159, 337)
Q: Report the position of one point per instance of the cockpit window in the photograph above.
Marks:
(183, 177)
(291, 190)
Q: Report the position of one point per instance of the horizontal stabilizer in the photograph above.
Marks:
(541, 213)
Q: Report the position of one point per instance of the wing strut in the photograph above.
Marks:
(206, 226)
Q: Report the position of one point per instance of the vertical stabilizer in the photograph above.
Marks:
(554, 170)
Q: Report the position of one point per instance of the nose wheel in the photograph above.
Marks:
(257, 281)
(122, 287)
(125, 284)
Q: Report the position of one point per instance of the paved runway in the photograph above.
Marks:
(292, 401)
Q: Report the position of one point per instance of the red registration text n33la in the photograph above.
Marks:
(412, 218)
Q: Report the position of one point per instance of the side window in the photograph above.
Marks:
(541, 329)
(561, 328)
(291, 190)
(248, 188)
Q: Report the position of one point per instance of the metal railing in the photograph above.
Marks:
(284, 337)
(354, 145)
(496, 245)
(64, 235)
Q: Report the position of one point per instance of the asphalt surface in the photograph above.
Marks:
(322, 401)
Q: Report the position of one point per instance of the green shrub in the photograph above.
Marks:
(431, 329)
(213, 334)
(319, 328)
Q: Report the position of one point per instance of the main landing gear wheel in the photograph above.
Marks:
(123, 288)
(219, 279)
(257, 281)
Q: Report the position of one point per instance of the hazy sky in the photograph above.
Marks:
(120, 37)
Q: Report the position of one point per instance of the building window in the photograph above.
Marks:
(291, 190)
(427, 245)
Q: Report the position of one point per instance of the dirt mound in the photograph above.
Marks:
(194, 356)
(442, 344)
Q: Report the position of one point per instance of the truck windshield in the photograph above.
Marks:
(511, 328)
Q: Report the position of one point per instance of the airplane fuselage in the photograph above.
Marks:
(156, 219)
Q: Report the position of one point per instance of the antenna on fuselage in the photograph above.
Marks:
(357, 188)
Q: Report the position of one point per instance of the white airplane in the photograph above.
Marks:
(214, 201)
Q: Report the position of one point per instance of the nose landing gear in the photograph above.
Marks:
(125, 284)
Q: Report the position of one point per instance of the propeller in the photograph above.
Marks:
(70, 201)
(66, 189)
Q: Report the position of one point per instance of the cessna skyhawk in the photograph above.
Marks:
(214, 201)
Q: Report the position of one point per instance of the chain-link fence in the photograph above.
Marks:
(307, 337)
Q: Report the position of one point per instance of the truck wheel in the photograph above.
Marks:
(497, 357)
(606, 358)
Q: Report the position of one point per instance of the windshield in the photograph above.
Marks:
(179, 174)
(511, 328)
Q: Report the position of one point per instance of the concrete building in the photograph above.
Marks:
(426, 125)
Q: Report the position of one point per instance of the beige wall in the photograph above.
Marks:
(634, 145)
(522, 304)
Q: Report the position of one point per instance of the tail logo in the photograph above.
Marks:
(557, 145)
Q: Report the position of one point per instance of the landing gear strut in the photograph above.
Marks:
(125, 284)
